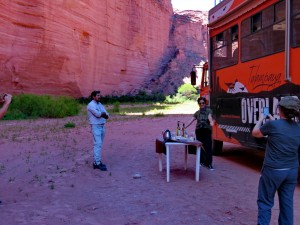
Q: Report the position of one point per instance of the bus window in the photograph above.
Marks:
(245, 27)
(234, 33)
(268, 17)
(296, 7)
(296, 23)
(234, 44)
(267, 34)
(225, 48)
(280, 11)
(256, 22)
(219, 43)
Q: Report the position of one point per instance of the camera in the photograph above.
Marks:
(266, 111)
(2, 99)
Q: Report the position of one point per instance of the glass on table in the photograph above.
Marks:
(187, 135)
(173, 135)
(192, 136)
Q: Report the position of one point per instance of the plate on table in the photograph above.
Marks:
(180, 138)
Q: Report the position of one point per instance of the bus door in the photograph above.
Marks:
(204, 86)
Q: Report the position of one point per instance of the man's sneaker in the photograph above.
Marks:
(101, 166)
(210, 167)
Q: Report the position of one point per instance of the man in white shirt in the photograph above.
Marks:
(97, 116)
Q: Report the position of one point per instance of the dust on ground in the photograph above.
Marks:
(47, 178)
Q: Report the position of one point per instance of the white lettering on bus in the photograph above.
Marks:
(275, 111)
(252, 108)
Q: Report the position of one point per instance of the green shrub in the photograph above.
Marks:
(116, 107)
(69, 125)
(26, 106)
(159, 114)
(184, 93)
(178, 98)
(187, 90)
(141, 96)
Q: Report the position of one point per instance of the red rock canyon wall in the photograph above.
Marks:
(67, 47)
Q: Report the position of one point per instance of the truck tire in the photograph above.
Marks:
(217, 147)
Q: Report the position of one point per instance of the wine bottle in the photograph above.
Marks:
(178, 133)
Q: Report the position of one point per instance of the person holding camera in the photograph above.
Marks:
(6, 100)
(97, 116)
(280, 167)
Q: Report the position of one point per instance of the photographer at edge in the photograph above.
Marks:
(6, 100)
(280, 167)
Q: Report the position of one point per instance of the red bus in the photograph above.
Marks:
(254, 60)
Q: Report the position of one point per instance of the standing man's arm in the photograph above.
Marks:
(7, 100)
(105, 114)
(96, 113)
(93, 110)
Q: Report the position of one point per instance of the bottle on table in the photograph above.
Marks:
(184, 133)
(178, 130)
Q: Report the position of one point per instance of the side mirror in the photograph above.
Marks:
(193, 78)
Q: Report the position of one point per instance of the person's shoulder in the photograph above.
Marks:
(208, 109)
(90, 103)
(270, 122)
(197, 112)
(297, 124)
(276, 123)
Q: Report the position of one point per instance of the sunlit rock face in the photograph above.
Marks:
(67, 47)
(187, 47)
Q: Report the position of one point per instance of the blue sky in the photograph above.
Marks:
(203, 5)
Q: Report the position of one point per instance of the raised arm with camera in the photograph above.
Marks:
(280, 167)
(6, 100)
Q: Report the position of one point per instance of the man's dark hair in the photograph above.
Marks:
(94, 93)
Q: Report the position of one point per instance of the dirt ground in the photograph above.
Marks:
(46, 177)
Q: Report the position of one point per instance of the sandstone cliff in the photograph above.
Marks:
(187, 47)
(67, 47)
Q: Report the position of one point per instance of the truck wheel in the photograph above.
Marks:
(217, 147)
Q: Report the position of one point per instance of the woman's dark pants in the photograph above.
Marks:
(204, 135)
